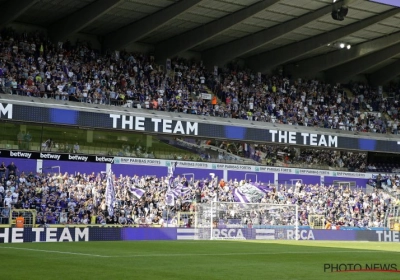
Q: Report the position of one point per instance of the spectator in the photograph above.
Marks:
(3, 170)
(76, 148)
(5, 215)
(48, 145)
(27, 140)
(12, 170)
(8, 200)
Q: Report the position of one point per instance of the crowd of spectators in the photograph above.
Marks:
(80, 199)
(371, 99)
(32, 65)
(271, 155)
(301, 102)
(352, 161)
(333, 207)
(389, 182)
(281, 155)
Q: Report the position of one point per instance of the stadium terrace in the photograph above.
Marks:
(189, 123)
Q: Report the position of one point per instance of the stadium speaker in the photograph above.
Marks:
(336, 15)
(344, 11)
(340, 12)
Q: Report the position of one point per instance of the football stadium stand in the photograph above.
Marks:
(146, 201)
(32, 65)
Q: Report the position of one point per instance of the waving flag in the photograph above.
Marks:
(110, 194)
(172, 168)
(170, 195)
(249, 193)
(171, 171)
(169, 198)
(137, 192)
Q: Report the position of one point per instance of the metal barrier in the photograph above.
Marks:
(392, 216)
(5, 214)
(316, 221)
(8, 216)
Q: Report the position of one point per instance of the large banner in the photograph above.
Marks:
(85, 234)
(161, 125)
(188, 166)
(55, 156)
(78, 234)
(285, 233)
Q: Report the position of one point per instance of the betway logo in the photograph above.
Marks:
(80, 158)
(105, 159)
(50, 156)
(20, 154)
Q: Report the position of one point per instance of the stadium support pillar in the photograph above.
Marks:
(345, 72)
(385, 74)
(192, 38)
(225, 175)
(276, 180)
(231, 50)
(323, 62)
(39, 166)
(268, 60)
(77, 21)
(11, 10)
(137, 30)
(89, 136)
(108, 167)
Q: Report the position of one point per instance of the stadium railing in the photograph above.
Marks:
(316, 221)
(8, 217)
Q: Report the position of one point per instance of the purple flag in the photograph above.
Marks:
(169, 198)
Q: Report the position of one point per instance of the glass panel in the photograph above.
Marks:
(64, 139)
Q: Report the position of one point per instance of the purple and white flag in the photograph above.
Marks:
(182, 189)
(170, 197)
(110, 194)
(250, 193)
(171, 171)
(172, 168)
(137, 192)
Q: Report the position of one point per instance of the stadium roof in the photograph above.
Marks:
(299, 35)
